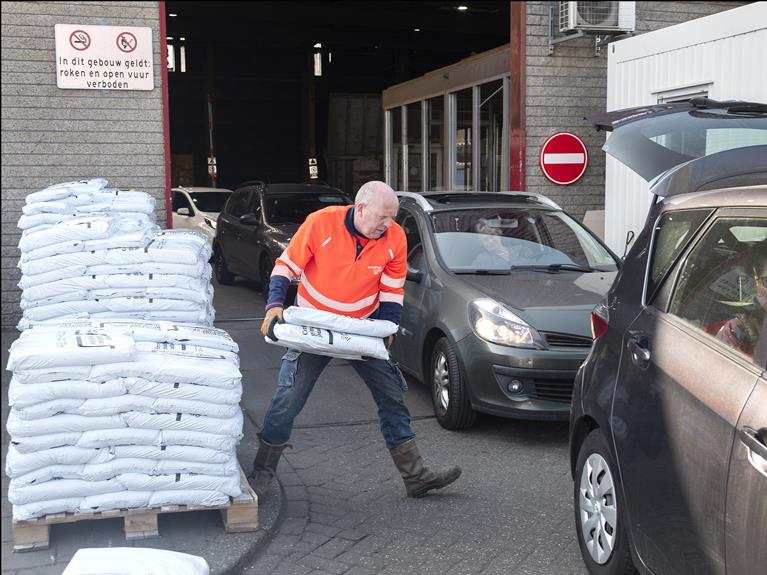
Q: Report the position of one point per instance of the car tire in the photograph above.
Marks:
(264, 274)
(448, 391)
(601, 533)
(223, 276)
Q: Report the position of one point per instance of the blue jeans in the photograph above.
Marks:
(300, 371)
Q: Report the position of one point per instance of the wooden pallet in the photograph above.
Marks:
(240, 515)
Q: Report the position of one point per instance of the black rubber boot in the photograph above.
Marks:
(419, 479)
(265, 465)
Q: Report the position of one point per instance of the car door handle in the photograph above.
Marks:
(640, 353)
(756, 446)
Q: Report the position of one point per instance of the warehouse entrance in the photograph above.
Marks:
(289, 91)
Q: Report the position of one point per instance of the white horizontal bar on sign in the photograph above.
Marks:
(563, 158)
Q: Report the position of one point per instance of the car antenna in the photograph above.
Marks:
(629, 239)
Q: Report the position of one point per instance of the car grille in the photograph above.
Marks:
(552, 390)
(566, 340)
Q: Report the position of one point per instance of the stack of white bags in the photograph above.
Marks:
(88, 251)
(116, 412)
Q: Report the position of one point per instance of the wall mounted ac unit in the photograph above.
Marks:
(599, 17)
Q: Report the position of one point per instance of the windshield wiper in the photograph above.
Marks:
(552, 268)
(494, 272)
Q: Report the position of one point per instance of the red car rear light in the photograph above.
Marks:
(600, 321)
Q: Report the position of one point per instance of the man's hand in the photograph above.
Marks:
(389, 340)
(271, 313)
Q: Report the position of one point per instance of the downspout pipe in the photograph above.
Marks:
(517, 88)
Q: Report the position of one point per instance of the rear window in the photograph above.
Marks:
(286, 208)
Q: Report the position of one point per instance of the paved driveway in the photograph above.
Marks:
(346, 512)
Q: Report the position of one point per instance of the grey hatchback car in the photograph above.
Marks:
(498, 294)
(668, 431)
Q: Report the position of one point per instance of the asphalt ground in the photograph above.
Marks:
(340, 506)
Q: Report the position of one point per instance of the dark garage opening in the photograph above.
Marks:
(250, 68)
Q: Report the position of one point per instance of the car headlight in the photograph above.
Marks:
(495, 323)
(210, 222)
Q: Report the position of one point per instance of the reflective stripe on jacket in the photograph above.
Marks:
(323, 254)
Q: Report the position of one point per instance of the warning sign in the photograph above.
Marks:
(104, 57)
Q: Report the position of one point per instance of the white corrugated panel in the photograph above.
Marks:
(721, 56)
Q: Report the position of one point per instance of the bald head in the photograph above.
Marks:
(375, 189)
(375, 208)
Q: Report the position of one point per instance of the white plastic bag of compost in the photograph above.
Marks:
(135, 560)
(326, 342)
(68, 348)
(318, 318)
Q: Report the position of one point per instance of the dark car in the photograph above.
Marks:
(257, 223)
(668, 432)
(497, 300)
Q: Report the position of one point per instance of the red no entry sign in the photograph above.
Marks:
(564, 158)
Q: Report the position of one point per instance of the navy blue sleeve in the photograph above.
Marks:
(390, 311)
(278, 290)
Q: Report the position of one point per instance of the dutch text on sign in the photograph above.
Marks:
(104, 57)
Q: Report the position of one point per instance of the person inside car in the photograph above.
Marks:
(742, 331)
(493, 254)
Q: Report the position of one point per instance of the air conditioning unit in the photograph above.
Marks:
(599, 17)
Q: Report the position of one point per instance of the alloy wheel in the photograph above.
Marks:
(598, 510)
(441, 379)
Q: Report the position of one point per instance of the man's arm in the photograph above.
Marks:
(289, 266)
(392, 287)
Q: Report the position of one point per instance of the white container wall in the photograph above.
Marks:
(720, 56)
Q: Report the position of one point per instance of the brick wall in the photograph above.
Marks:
(50, 135)
(564, 87)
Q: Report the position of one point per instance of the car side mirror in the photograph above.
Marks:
(249, 220)
(183, 212)
(414, 274)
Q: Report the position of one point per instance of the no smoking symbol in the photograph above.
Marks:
(126, 42)
(79, 40)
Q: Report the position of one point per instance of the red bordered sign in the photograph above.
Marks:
(564, 158)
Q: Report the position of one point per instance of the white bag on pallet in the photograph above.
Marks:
(69, 348)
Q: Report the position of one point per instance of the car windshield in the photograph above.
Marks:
(286, 208)
(209, 201)
(508, 238)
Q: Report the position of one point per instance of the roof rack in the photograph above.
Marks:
(418, 199)
(543, 199)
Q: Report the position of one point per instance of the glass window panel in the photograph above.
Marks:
(414, 148)
(435, 145)
(395, 121)
(490, 135)
(463, 140)
(722, 287)
(672, 234)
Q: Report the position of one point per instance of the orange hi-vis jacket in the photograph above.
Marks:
(333, 277)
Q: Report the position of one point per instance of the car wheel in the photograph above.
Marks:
(264, 274)
(599, 511)
(223, 275)
(448, 391)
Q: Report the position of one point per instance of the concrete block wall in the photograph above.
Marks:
(571, 83)
(50, 135)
